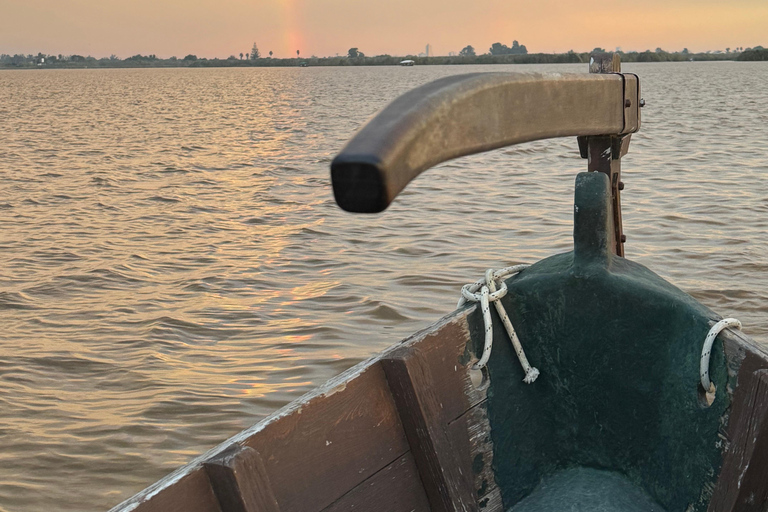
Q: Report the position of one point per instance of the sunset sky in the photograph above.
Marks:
(398, 27)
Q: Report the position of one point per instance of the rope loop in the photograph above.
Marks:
(706, 351)
(469, 294)
(491, 288)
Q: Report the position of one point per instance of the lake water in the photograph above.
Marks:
(173, 266)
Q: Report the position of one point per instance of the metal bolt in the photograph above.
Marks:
(642, 102)
(623, 238)
(621, 185)
(627, 103)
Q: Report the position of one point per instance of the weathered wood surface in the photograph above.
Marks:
(344, 446)
(455, 428)
(240, 482)
(414, 388)
(443, 348)
(331, 445)
(471, 439)
(604, 62)
(743, 482)
(191, 492)
(360, 388)
(396, 488)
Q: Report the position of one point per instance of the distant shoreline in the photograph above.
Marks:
(139, 61)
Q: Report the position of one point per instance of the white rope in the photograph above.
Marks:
(706, 351)
(491, 289)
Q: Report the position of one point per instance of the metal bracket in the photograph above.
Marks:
(632, 103)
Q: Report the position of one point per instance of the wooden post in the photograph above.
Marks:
(412, 385)
(604, 152)
(607, 62)
(240, 481)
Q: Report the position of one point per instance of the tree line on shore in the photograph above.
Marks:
(497, 54)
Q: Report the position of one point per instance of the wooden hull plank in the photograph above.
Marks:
(332, 443)
(396, 488)
(192, 493)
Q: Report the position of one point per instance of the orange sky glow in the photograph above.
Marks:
(397, 27)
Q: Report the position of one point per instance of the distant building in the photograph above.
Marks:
(429, 51)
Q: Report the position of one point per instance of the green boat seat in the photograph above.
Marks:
(587, 490)
(618, 349)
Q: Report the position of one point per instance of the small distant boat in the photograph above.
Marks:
(642, 403)
(407, 62)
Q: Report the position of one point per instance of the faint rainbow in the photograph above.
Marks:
(294, 39)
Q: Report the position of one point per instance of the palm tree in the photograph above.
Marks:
(270, 54)
(297, 54)
(241, 55)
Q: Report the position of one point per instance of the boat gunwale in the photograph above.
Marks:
(328, 388)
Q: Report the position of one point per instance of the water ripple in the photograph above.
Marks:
(174, 268)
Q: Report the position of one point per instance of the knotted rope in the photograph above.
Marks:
(706, 351)
(491, 289)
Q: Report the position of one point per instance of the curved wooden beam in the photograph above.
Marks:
(465, 114)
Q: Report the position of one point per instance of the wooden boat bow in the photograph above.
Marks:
(618, 401)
